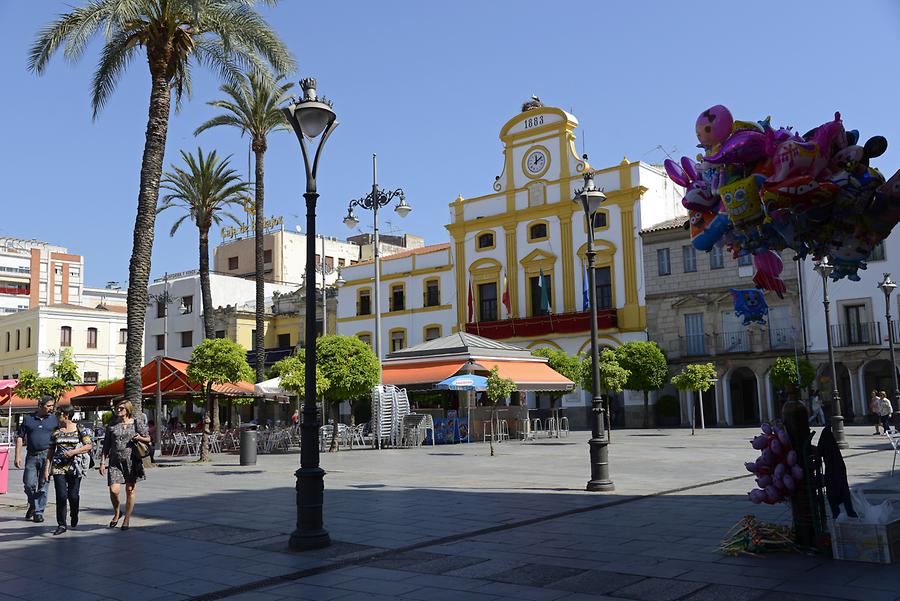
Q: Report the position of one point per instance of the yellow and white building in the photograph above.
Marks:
(528, 225)
(525, 226)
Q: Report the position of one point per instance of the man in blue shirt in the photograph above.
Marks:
(35, 432)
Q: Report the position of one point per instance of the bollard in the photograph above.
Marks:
(796, 423)
(248, 446)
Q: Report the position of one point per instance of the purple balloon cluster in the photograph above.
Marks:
(777, 471)
(758, 188)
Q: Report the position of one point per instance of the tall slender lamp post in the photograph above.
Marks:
(837, 420)
(591, 198)
(165, 299)
(326, 271)
(887, 286)
(373, 201)
(311, 117)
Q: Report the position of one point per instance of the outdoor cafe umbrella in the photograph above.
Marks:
(469, 383)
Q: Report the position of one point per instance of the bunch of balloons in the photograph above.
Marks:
(777, 470)
(758, 190)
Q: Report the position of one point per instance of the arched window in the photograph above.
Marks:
(485, 241)
(92, 337)
(398, 297)
(537, 231)
(65, 336)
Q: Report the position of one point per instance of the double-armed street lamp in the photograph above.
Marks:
(373, 201)
(887, 286)
(591, 198)
(837, 420)
(311, 118)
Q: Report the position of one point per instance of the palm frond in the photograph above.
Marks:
(176, 225)
(117, 53)
(218, 120)
(73, 29)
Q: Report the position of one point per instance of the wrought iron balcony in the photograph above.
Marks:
(733, 342)
(857, 334)
(560, 323)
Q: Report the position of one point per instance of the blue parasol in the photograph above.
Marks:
(464, 382)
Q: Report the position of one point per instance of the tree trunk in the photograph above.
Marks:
(646, 409)
(142, 244)
(334, 428)
(260, 267)
(204, 439)
(212, 404)
(493, 414)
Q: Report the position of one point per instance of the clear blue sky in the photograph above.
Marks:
(427, 85)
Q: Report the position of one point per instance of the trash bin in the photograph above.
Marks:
(248, 446)
(4, 469)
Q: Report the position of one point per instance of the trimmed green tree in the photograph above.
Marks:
(216, 361)
(562, 363)
(696, 377)
(228, 36)
(613, 378)
(498, 388)
(292, 371)
(647, 367)
(784, 373)
(64, 375)
(351, 369)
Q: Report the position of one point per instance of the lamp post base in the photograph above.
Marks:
(837, 428)
(309, 534)
(600, 481)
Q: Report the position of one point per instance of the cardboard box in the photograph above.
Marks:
(874, 543)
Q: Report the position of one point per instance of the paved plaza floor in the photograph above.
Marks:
(446, 522)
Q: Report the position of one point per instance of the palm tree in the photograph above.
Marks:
(227, 35)
(205, 190)
(253, 107)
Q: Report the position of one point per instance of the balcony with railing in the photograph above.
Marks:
(750, 340)
(542, 325)
(16, 270)
(858, 334)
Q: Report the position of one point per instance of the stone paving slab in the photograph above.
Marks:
(408, 524)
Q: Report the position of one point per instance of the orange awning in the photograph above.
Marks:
(19, 404)
(173, 383)
(529, 375)
(419, 373)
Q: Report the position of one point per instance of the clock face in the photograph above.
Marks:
(536, 161)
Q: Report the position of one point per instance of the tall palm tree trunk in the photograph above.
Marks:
(212, 403)
(260, 267)
(142, 249)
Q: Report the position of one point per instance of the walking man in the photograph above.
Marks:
(35, 433)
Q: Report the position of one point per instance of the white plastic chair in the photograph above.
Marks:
(894, 438)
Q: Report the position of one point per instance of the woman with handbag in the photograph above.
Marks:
(124, 447)
(66, 457)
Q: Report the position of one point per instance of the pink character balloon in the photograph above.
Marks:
(714, 126)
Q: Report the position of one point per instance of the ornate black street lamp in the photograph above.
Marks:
(372, 202)
(591, 198)
(887, 286)
(311, 117)
(837, 420)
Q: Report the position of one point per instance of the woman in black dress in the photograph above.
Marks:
(120, 458)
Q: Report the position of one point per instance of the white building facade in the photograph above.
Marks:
(175, 327)
(416, 302)
(32, 340)
(35, 273)
(858, 326)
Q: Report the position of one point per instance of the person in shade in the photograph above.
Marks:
(34, 432)
(65, 464)
(121, 457)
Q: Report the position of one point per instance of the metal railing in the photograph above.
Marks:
(734, 342)
(782, 338)
(857, 334)
(15, 269)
